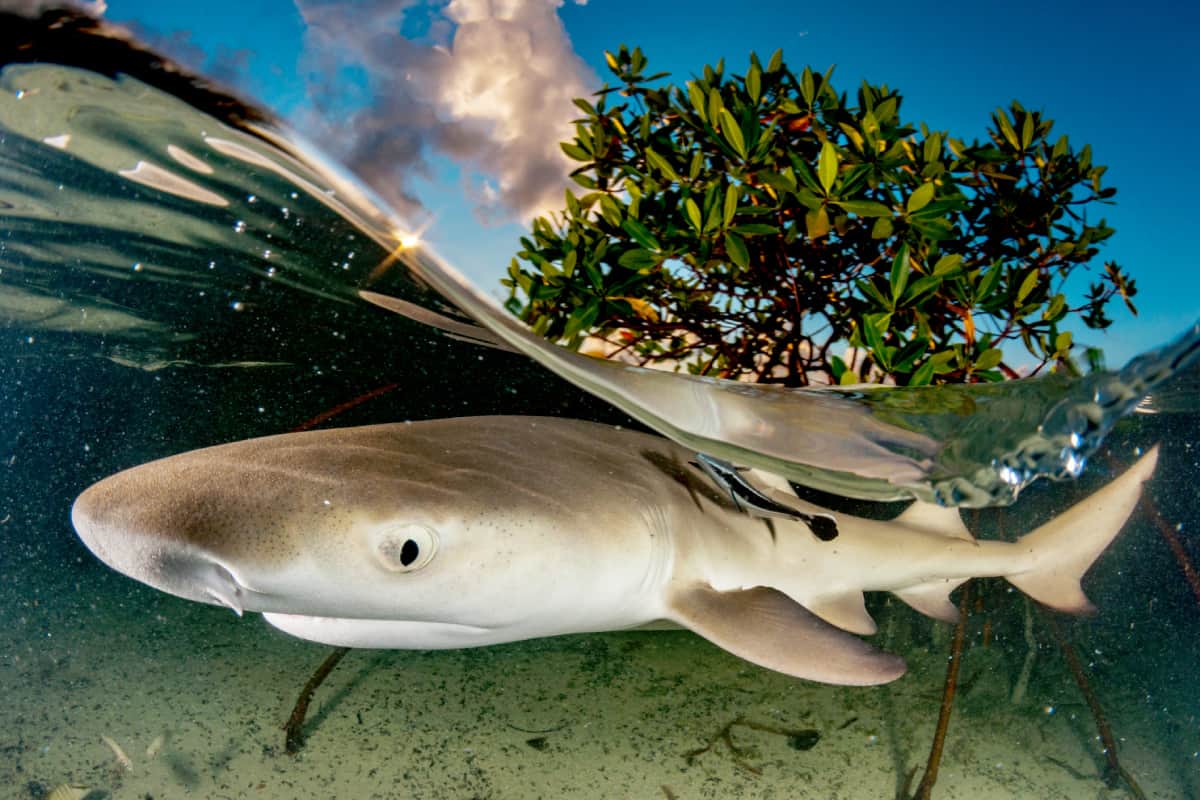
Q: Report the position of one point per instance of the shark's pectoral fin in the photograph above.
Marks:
(768, 628)
(933, 599)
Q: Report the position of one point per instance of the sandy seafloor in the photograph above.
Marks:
(90, 653)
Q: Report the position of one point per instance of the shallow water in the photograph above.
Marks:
(142, 317)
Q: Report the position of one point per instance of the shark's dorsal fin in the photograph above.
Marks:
(770, 480)
(933, 599)
(847, 611)
(766, 627)
(934, 519)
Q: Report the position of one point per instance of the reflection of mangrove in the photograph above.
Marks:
(34, 311)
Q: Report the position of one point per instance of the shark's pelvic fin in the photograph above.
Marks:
(766, 627)
(935, 519)
(933, 599)
(1064, 548)
(847, 611)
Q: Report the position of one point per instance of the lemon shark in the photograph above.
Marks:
(480, 530)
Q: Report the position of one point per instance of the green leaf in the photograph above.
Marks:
(990, 277)
(809, 199)
(865, 208)
(1006, 129)
(735, 246)
(776, 61)
(715, 106)
(755, 229)
(807, 88)
(838, 367)
(612, 61)
(731, 204)
(921, 286)
(582, 319)
(941, 361)
(867, 288)
(568, 263)
(899, 276)
(883, 228)
(610, 211)
(1028, 285)
(696, 96)
(1062, 342)
(827, 166)
(732, 132)
(575, 152)
(638, 259)
(693, 214)
(1054, 311)
(817, 222)
(641, 234)
(870, 334)
(947, 264)
(920, 198)
(923, 374)
(1027, 132)
(989, 359)
(754, 83)
(908, 354)
(659, 163)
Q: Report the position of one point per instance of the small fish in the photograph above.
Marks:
(67, 791)
(155, 747)
(122, 759)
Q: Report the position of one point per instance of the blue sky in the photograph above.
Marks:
(1121, 77)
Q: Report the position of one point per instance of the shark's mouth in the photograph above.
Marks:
(388, 633)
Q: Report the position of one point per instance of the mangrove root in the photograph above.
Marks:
(294, 727)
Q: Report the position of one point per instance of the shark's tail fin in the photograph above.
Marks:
(1064, 548)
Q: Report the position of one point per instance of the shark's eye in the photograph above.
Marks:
(406, 548)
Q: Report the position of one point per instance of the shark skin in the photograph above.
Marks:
(480, 530)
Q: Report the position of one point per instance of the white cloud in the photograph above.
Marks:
(488, 83)
(33, 8)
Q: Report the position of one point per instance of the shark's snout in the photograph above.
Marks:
(111, 526)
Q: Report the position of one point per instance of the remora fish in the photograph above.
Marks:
(474, 531)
